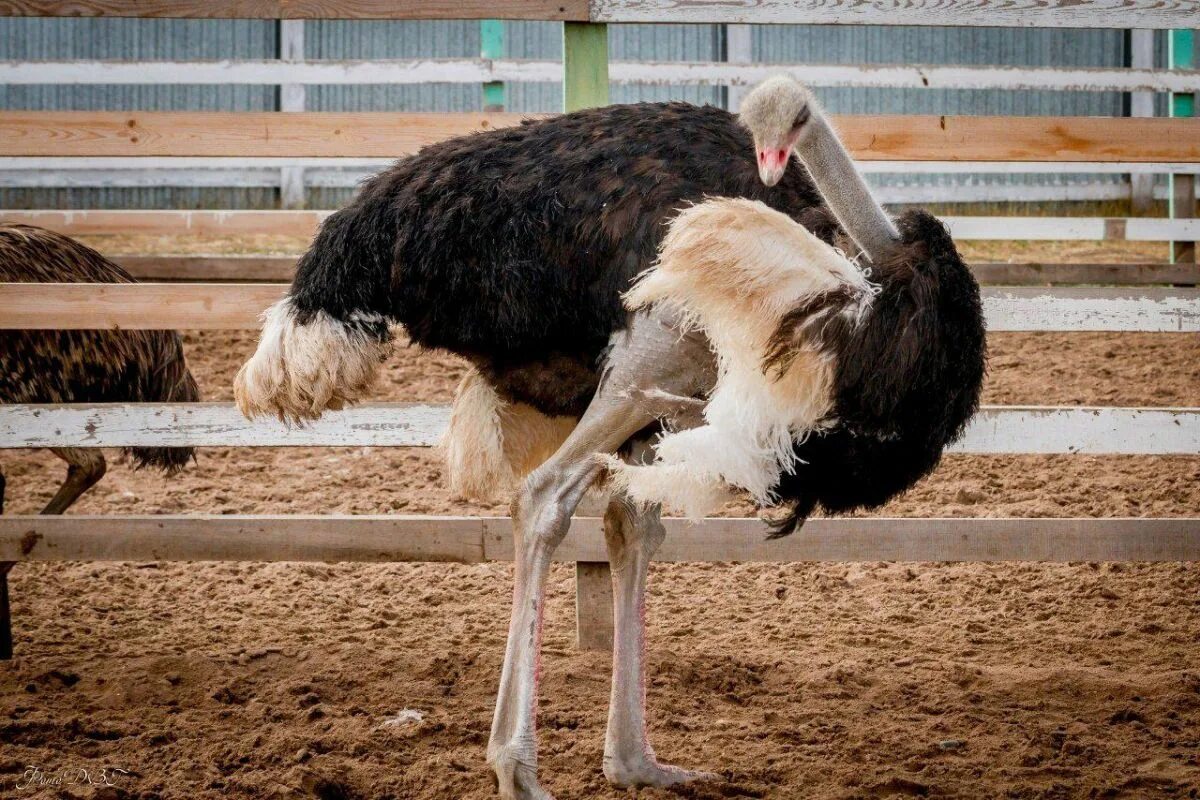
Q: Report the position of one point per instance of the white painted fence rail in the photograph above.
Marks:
(391, 538)
(666, 73)
(995, 429)
(1092, 309)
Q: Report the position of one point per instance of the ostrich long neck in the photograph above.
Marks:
(844, 190)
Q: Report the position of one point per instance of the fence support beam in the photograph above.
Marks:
(291, 98)
(585, 85)
(491, 46)
(1141, 104)
(1182, 194)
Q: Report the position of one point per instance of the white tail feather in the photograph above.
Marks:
(300, 370)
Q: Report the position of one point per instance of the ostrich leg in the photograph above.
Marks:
(651, 352)
(632, 536)
(85, 467)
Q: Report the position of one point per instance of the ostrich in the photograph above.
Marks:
(514, 248)
(82, 366)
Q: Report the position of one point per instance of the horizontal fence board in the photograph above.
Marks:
(304, 223)
(1132, 229)
(253, 269)
(664, 73)
(976, 13)
(1040, 273)
(372, 165)
(363, 134)
(1092, 309)
(152, 306)
(246, 133)
(470, 539)
(282, 268)
(244, 538)
(174, 223)
(233, 306)
(954, 13)
(995, 429)
(301, 9)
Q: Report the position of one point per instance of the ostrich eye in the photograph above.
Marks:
(801, 118)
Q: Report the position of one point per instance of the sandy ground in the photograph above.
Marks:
(789, 681)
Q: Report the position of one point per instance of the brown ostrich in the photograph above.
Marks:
(82, 366)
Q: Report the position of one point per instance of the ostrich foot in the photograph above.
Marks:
(644, 770)
(517, 780)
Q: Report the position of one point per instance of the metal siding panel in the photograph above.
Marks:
(41, 39)
(356, 39)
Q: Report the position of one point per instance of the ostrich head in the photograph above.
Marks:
(775, 113)
(782, 115)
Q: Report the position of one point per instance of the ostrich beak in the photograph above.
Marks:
(772, 163)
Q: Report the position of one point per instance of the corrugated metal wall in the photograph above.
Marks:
(34, 39)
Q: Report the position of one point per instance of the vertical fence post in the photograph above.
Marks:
(1141, 104)
(1182, 194)
(738, 50)
(491, 45)
(585, 84)
(291, 98)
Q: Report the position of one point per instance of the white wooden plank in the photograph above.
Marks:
(904, 76)
(738, 72)
(1086, 431)
(1158, 14)
(373, 165)
(379, 538)
(139, 177)
(1136, 229)
(1092, 309)
(996, 429)
(217, 424)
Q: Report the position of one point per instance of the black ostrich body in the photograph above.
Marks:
(513, 247)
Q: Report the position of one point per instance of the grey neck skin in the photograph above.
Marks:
(844, 190)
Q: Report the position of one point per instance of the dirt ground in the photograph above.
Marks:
(789, 681)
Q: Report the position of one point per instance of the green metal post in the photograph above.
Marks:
(1181, 195)
(585, 65)
(491, 45)
(585, 85)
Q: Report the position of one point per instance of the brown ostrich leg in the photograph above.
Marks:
(84, 468)
(651, 352)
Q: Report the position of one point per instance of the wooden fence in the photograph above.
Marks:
(97, 140)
